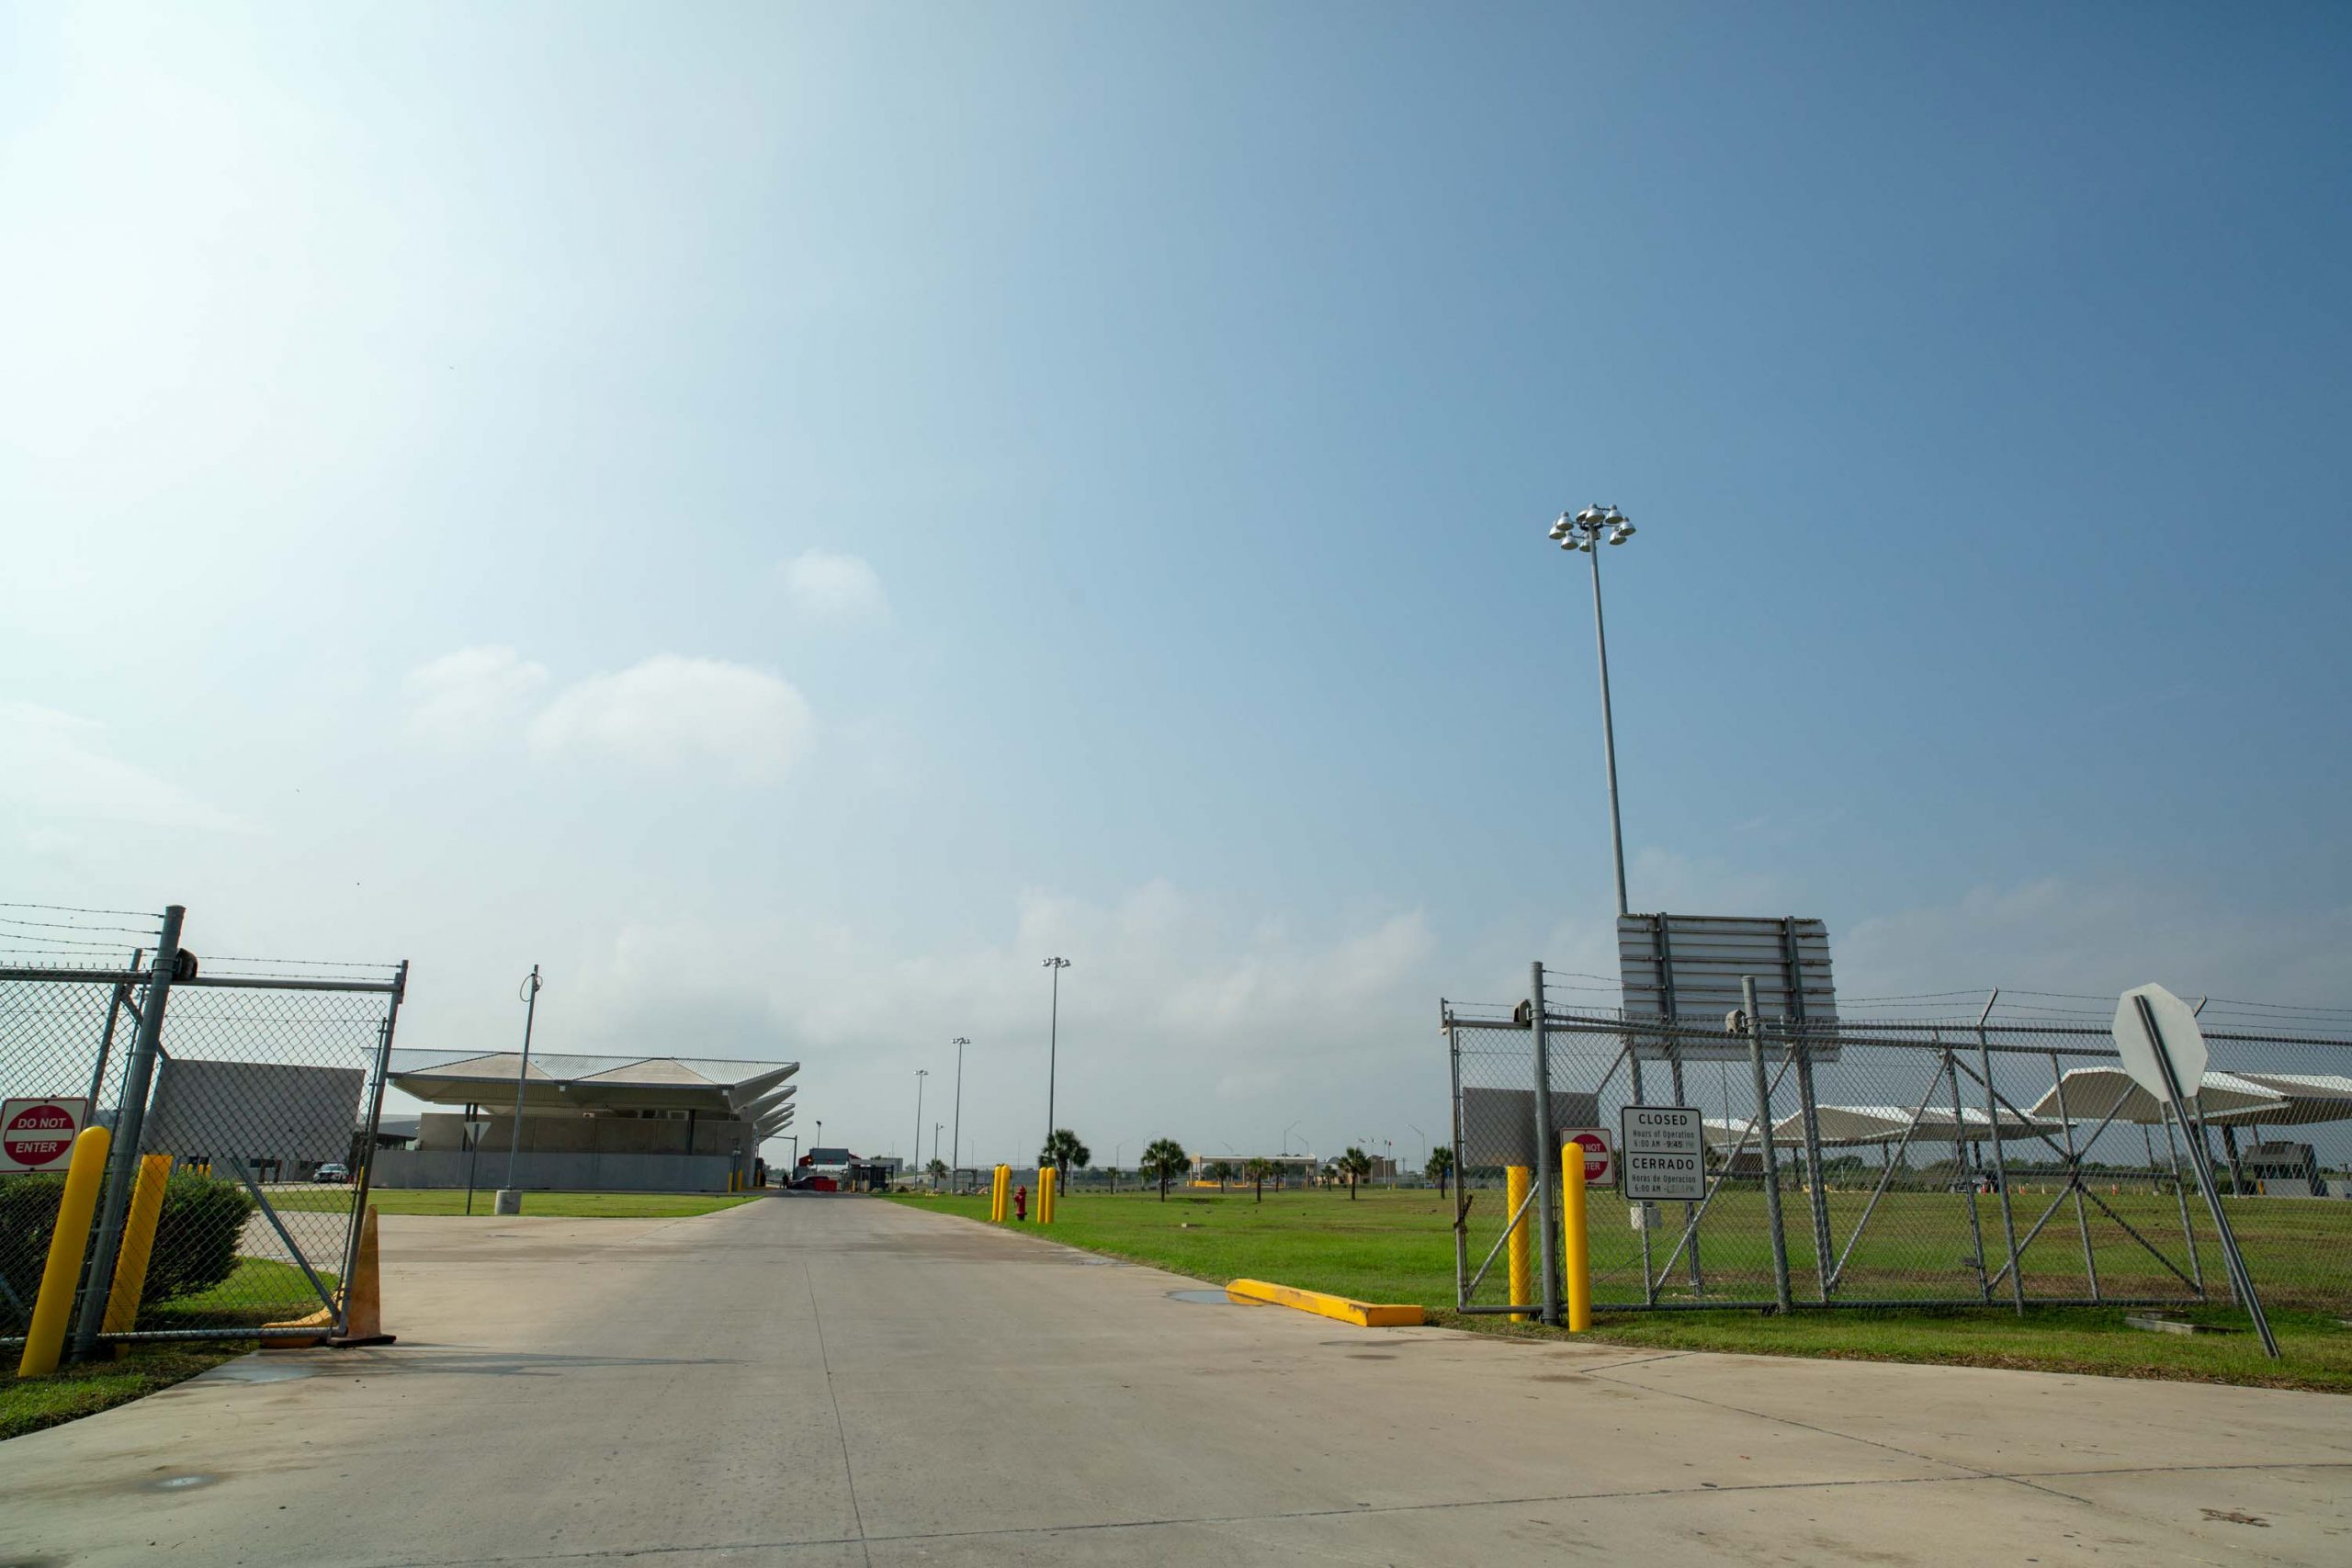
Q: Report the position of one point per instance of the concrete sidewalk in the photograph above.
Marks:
(814, 1380)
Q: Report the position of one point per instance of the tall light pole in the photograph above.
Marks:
(1286, 1132)
(956, 1154)
(1582, 531)
(916, 1158)
(530, 1014)
(1053, 1042)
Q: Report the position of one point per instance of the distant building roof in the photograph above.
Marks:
(748, 1091)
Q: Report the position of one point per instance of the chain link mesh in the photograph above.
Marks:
(1923, 1162)
(240, 1206)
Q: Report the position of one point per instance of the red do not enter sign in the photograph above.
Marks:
(38, 1134)
(1600, 1162)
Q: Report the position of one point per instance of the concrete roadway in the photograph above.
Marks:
(819, 1381)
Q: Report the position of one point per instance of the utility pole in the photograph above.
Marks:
(1583, 531)
(955, 1156)
(915, 1158)
(530, 1015)
(1053, 1042)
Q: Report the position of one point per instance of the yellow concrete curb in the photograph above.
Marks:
(1363, 1314)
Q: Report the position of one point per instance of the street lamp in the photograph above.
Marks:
(1582, 531)
(916, 1158)
(530, 988)
(1286, 1132)
(1053, 1042)
(955, 1152)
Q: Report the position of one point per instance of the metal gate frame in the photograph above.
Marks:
(146, 996)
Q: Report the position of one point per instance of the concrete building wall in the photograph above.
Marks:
(446, 1132)
(557, 1173)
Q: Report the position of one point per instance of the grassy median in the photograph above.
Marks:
(1398, 1246)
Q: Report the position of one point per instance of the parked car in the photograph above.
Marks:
(333, 1170)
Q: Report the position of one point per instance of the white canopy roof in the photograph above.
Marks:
(557, 1081)
(2309, 1097)
(1853, 1126)
(2089, 1093)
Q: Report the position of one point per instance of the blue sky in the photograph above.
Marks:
(416, 415)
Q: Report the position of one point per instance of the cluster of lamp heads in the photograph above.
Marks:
(1581, 530)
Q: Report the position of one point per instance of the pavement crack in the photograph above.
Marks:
(841, 1427)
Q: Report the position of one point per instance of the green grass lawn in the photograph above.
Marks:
(258, 1290)
(1397, 1246)
(551, 1205)
(26, 1404)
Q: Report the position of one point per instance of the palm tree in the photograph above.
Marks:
(1355, 1165)
(1440, 1168)
(1258, 1171)
(1162, 1159)
(1221, 1172)
(1062, 1151)
(936, 1170)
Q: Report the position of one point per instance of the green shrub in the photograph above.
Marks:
(195, 1240)
(28, 1215)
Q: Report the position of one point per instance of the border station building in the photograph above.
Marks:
(590, 1123)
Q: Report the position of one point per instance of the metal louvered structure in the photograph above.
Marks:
(755, 1092)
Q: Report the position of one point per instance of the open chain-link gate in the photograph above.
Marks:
(241, 1100)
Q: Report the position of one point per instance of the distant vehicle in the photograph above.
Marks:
(333, 1170)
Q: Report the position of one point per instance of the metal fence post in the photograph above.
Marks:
(1961, 1179)
(2000, 1164)
(1771, 1159)
(1810, 1112)
(1461, 1206)
(131, 1111)
(2075, 1175)
(1547, 1225)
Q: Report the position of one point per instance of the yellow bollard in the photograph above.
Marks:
(1516, 1181)
(1579, 1259)
(1000, 1193)
(138, 1246)
(1048, 1183)
(45, 1339)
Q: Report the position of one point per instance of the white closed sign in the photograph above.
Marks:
(1661, 1152)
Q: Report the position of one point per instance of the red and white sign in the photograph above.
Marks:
(1600, 1160)
(37, 1134)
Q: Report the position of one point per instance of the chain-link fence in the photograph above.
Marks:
(238, 1100)
(1952, 1161)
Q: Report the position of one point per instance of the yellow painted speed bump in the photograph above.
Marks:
(1363, 1314)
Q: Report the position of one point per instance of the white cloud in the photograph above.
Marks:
(834, 590)
(671, 710)
(2094, 941)
(1181, 1014)
(467, 696)
(57, 771)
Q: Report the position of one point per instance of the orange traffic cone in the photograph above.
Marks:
(363, 1293)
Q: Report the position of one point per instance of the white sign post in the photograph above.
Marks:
(2163, 1049)
(1663, 1151)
